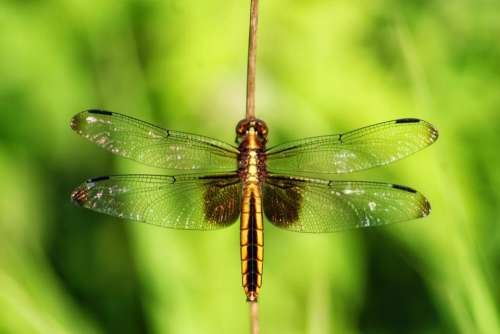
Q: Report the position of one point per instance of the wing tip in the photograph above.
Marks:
(433, 131)
(425, 205)
(80, 196)
(424, 208)
(78, 121)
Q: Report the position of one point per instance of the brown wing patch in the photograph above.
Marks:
(282, 201)
(222, 202)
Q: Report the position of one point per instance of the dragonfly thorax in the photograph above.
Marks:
(245, 127)
(251, 159)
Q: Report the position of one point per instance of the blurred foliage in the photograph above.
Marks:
(324, 66)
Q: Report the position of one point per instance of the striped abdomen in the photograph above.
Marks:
(252, 241)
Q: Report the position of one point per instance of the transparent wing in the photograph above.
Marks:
(190, 202)
(152, 145)
(312, 205)
(360, 149)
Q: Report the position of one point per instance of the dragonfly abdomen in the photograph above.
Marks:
(252, 242)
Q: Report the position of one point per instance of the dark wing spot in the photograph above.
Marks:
(282, 203)
(404, 188)
(97, 179)
(222, 202)
(100, 112)
(407, 120)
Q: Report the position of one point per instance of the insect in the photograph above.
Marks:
(210, 184)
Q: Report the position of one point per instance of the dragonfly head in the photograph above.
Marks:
(257, 126)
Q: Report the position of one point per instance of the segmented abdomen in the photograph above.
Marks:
(252, 241)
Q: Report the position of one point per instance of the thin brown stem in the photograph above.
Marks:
(254, 317)
(250, 114)
(252, 58)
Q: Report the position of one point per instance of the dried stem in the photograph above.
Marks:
(252, 57)
(254, 317)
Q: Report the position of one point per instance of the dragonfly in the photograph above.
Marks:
(209, 184)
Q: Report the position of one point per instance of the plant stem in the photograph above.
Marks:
(250, 114)
(252, 57)
(254, 317)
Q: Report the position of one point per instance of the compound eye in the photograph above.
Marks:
(242, 127)
(261, 128)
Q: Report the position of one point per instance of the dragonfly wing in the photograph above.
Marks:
(357, 150)
(152, 145)
(192, 202)
(313, 205)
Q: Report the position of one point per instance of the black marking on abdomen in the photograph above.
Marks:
(100, 112)
(252, 247)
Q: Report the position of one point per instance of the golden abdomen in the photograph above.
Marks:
(252, 241)
(252, 172)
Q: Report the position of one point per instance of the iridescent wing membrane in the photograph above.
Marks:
(153, 146)
(294, 194)
(207, 200)
(305, 203)
(314, 205)
(190, 202)
(364, 148)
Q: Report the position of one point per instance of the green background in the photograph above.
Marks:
(324, 66)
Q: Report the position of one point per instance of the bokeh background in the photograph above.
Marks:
(324, 66)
